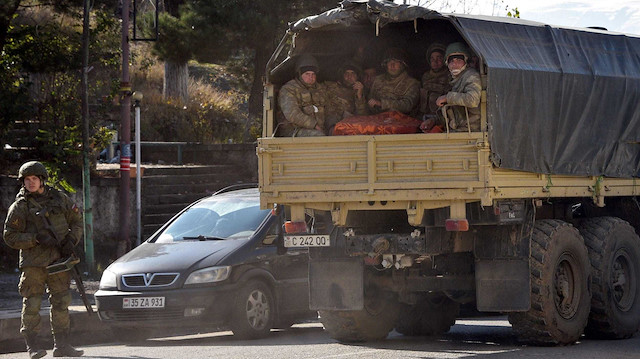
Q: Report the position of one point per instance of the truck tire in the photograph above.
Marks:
(431, 315)
(560, 280)
(614, 250)
(374, 322)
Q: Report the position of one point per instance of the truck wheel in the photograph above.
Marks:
(374, 322)
(253, 311)
(431, 315)
(614, 250)
(560, 280)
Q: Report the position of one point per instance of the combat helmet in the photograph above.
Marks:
(457, 48)
(32, 168)
(306, 62)
(395, 53)
(351, 65)
(436, 46)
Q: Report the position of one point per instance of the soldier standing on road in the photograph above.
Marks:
(304, 102)
(394, 90)
(26, 231)
(464, 97)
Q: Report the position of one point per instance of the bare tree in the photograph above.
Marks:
(462, 6)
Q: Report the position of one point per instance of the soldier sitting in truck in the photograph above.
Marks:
(435, 81)
(348, 92)
(394, 90)
(462, 112)
(369, 73)
(367, 59)
(304, 102)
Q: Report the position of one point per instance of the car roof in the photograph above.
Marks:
(238, 193)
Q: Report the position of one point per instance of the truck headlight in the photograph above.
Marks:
(209, 275)
(108, 280)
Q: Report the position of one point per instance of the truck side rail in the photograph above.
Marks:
(372, 162)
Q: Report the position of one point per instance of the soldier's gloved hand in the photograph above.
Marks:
(45, 238)
(66, 249)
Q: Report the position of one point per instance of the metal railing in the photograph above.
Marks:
(112, 150)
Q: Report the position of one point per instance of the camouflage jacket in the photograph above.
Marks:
(345, 101)
(401, 93)
(303, 106)
(22, 225)
(434, 85)
(464, 98)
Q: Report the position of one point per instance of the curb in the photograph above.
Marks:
(84, 328)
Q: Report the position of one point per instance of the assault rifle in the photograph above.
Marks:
(67, 264)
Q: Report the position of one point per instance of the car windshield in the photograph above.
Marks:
(216, 219)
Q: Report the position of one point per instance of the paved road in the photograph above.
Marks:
(470, 338)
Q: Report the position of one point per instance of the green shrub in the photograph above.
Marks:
(210, 115)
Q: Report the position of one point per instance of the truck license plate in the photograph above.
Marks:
(143, 302)
(307, 240)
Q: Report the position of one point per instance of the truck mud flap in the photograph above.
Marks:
(503, 285)
(336, 284)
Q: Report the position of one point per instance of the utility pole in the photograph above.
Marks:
(125, 135)
(86, 167)
(137, 98)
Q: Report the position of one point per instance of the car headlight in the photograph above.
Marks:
(108, 280)
(209, 275)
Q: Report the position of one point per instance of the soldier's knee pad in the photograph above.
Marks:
(32, 282)
(60, 300)
(31, 305)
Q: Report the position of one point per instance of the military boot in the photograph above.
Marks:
(32, 346)
(62, 348)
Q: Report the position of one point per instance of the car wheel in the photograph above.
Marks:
(253, 311)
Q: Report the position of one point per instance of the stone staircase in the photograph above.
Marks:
(20, 140)
(168, 189)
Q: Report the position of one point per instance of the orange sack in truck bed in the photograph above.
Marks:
(391, 122)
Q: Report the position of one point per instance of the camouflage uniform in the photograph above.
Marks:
(345, 102)
(303, 107)
(400, 93)
(434, 85)
(21, 229)
(464, 98)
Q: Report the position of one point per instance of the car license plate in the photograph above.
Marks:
(307, 240)
(143, 302)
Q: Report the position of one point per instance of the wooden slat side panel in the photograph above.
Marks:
(425, 160)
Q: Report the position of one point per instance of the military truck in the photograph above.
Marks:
(535, 216)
